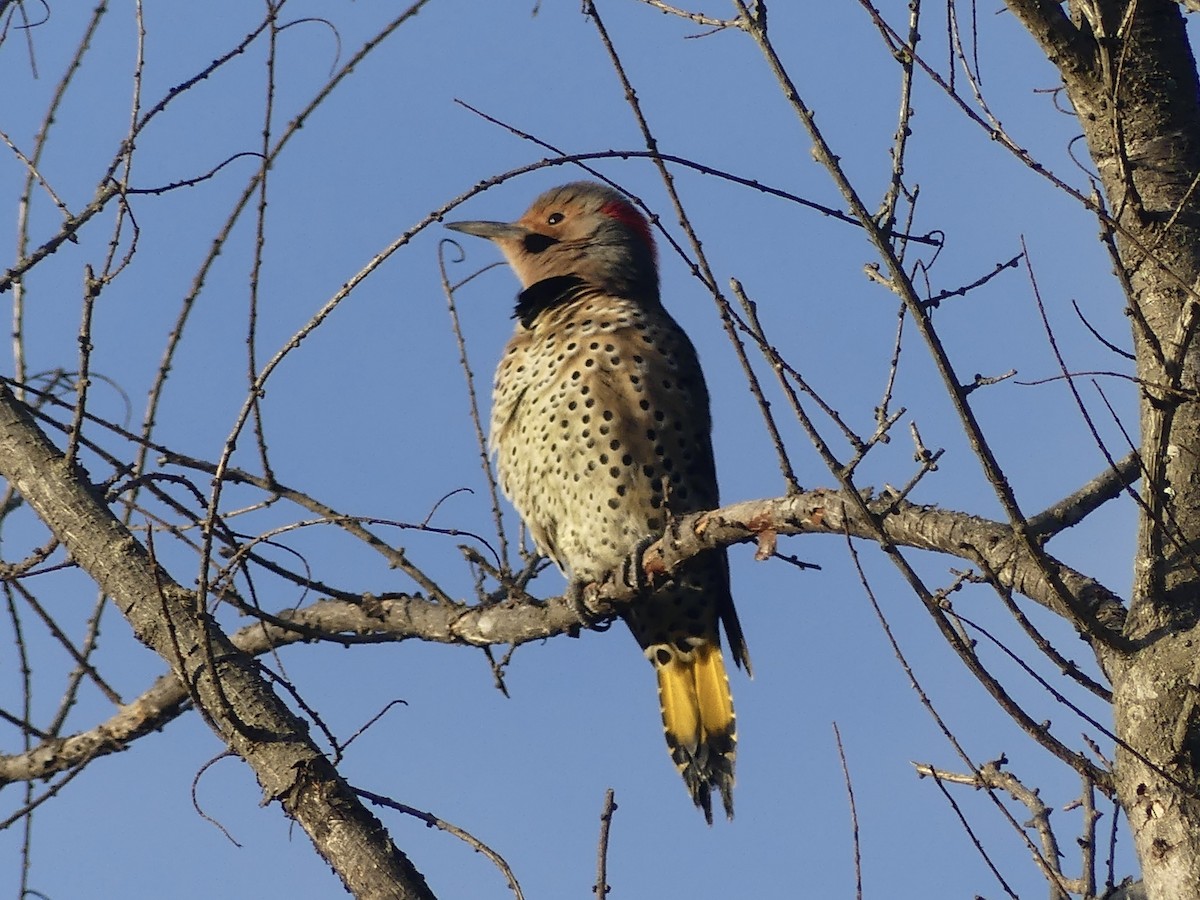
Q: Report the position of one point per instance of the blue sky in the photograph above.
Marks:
(369, 415)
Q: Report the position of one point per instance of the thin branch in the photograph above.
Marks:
(695, 18)
(433, 821)
(472, 400)
(858, 875)
(681, 161)
(602, 887)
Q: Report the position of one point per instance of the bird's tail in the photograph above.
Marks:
(697, 712)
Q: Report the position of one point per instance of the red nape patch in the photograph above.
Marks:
(625, 213)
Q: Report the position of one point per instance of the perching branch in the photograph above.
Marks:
(520, 620)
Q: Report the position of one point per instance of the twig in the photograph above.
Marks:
(602, 887)
(91, 288)
(434, 822)
(992, 776)
(227, 754)
(658, 156)
(858, 875)
(697, 18)
(473, 400)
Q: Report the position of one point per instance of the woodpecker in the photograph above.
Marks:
(600, 426)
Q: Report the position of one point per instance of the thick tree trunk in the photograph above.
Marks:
(1130, 74)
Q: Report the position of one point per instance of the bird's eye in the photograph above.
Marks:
(555, 218)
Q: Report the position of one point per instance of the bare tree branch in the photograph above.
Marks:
(520, 620)
(240, 707)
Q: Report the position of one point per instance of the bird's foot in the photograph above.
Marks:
(577, 596)
(633, 572)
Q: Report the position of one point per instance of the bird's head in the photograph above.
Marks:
(583, 230)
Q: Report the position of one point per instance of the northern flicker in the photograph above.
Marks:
(600, 424)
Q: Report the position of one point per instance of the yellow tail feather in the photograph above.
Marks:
(697, 712)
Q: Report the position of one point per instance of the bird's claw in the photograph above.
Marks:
(634, 570)
(575, 595)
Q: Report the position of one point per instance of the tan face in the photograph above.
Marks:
(582, 230)
(562, 220)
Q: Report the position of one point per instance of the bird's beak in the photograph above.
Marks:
(493, 231)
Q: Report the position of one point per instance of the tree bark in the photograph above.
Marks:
(1128, 70)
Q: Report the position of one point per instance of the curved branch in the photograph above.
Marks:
(520, 619)
(924, 527)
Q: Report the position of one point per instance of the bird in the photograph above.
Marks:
(602, 434)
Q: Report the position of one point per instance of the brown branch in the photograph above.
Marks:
(858, 872)
(442, 825)
(519, 620)
(994, 777)
(602, 888)
(1073, 509)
